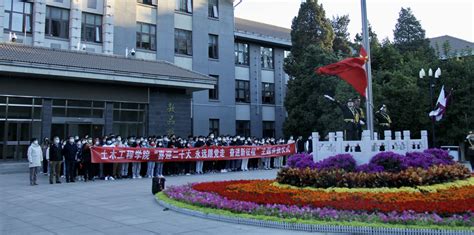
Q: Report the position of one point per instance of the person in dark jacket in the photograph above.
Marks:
(350, 116)
(86, 160)
(55, 158)
(69, 153)
(300, 144)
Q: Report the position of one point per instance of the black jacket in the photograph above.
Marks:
(299, 146)
(55, 152)
(86, 153)
(70, 151)
(199, 144)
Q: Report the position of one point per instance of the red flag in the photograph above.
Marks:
(350, 70)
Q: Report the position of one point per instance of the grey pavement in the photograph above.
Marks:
(108, 207)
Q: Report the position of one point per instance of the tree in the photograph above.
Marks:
(312, 40)
(341, 43)
(311, 27)
(446, 49)
(408, 34)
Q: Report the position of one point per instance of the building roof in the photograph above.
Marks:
(104, 67)
(258, 31)
(458, 46)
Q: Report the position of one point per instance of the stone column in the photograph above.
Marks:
(315, 136)
(109, 118)
(165, 31)
(2, 16)
(39, 20)
(255, 91)
(46, 118)
(108, 27)
(75, 24)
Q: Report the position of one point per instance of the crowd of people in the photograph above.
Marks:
(71, 158)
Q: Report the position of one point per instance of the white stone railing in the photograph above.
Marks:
(364, 149)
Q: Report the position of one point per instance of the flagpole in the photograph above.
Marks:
(366, 43)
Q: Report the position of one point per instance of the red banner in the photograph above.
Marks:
(111, 155)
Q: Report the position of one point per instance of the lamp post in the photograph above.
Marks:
(432, 85)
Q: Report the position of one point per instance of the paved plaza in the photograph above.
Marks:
(107, 207)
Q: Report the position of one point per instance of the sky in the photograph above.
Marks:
(437, 17)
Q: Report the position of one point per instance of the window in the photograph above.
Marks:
(242, 91)
(268, 129)
(78, 108)
(148, 2)
(242, 128)
(213, 47)
(18, 16)
(91, 27)
(92, 4)
(129, 119)
(267, 57)
(184, 6)
(214, 93)
(241, 51)
(183, 42)
(146, 36)
(57, 22)
(214, 126)
(213, 8)
(268, 93)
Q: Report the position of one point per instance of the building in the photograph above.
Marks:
(136, 67)
(447, 46)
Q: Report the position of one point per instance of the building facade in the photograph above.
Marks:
(136, 67)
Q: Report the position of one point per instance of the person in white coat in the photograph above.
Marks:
(35, 157)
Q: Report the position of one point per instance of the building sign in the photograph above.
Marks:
(111, 155)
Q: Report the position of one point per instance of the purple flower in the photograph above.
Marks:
(369, 168)
(390, 161)
(340, 161)
(442, 156)
(301, 161)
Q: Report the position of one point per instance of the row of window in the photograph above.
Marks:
(187, 6)
(18, 18)
(242, 92)
(242, 128)
(242, 55)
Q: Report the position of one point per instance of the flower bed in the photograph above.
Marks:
(252, 198)
(450, 200)
(386, 169)
(419, 190)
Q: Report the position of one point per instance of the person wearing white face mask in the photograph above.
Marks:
(108, 167)
(290, 141)
(136, 166)
(125, 165)
(199, 164)
(35, 157)
(117, 167)
(55, 157)
(159, 165)
(69, 153)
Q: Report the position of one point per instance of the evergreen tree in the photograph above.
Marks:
(310, 27)
(341, 43)
(408, 34)
(312, 39)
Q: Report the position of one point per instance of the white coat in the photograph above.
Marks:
(35, 155)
